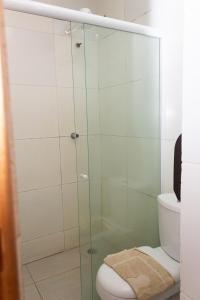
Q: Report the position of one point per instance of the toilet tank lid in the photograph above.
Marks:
(170, 201)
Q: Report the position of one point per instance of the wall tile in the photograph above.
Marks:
(42, 247)
(144, 165)
(143, 109)
(60, 27)
(167, 165)
(34, 111)
(191, 144)
(68, 160)
(66, 111)
(184, 297)
(41, 213)
(135, 8)
(25, 44)
(137, 106)
(63, 61)
(78, 55)
(72, 238)
(148, 19)
(28, 21)
(171, 26)
(113, 121)
(114, 157)
(38, 163)
(83, 202)
(108, 59)
(142, 219)
(171, 95)
(80, 110)
(94, 148)
(82, 156)
(112, 8)
(70, 205)
(92, 56)
(189, 227)
(114, 203)
(93, 105)
(190, 207)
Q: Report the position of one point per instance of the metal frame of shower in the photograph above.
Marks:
(65, 14)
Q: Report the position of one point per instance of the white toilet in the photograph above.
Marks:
(110, 286)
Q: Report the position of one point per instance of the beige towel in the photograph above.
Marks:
(144, 274)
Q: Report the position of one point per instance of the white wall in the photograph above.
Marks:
(130, 148)
(168, 17)
(190, 223)
(165, 15)
(42, 97)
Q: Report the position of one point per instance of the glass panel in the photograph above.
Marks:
(116, 80)
(78, 58)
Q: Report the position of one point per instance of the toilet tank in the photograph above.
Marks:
(169, 224)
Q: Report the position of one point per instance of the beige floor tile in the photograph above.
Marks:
(54, 265)
(63, 287)
(31, 293)
(27, 280)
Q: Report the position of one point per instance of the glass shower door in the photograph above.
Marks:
(117, 75)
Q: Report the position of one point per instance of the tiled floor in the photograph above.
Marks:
(56, 277)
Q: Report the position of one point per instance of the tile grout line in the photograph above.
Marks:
(49, 256)
(55, 275)
(32, 283)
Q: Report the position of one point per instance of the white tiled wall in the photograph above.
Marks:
(190, 222)
(168, 17)
(129, 127)
(40, 69)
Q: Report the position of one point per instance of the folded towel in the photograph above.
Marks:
(144, 274)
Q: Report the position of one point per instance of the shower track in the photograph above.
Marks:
(61, 13)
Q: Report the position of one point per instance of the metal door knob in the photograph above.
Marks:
(74, 135)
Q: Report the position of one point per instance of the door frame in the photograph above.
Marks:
(9, 233)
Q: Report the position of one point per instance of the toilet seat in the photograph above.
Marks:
(110, 286)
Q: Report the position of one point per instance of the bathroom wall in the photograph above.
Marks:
(58, 68)
(130, 136)
(190, 222)
(43, 98)
(167, 16)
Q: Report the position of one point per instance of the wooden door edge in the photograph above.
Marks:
(9, 237)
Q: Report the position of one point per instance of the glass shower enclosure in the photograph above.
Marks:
(119, 74)
(114, 116)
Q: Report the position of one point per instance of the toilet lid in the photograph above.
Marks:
(112, 283)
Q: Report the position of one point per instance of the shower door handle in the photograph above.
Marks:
(84, 176)
(74, 135)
